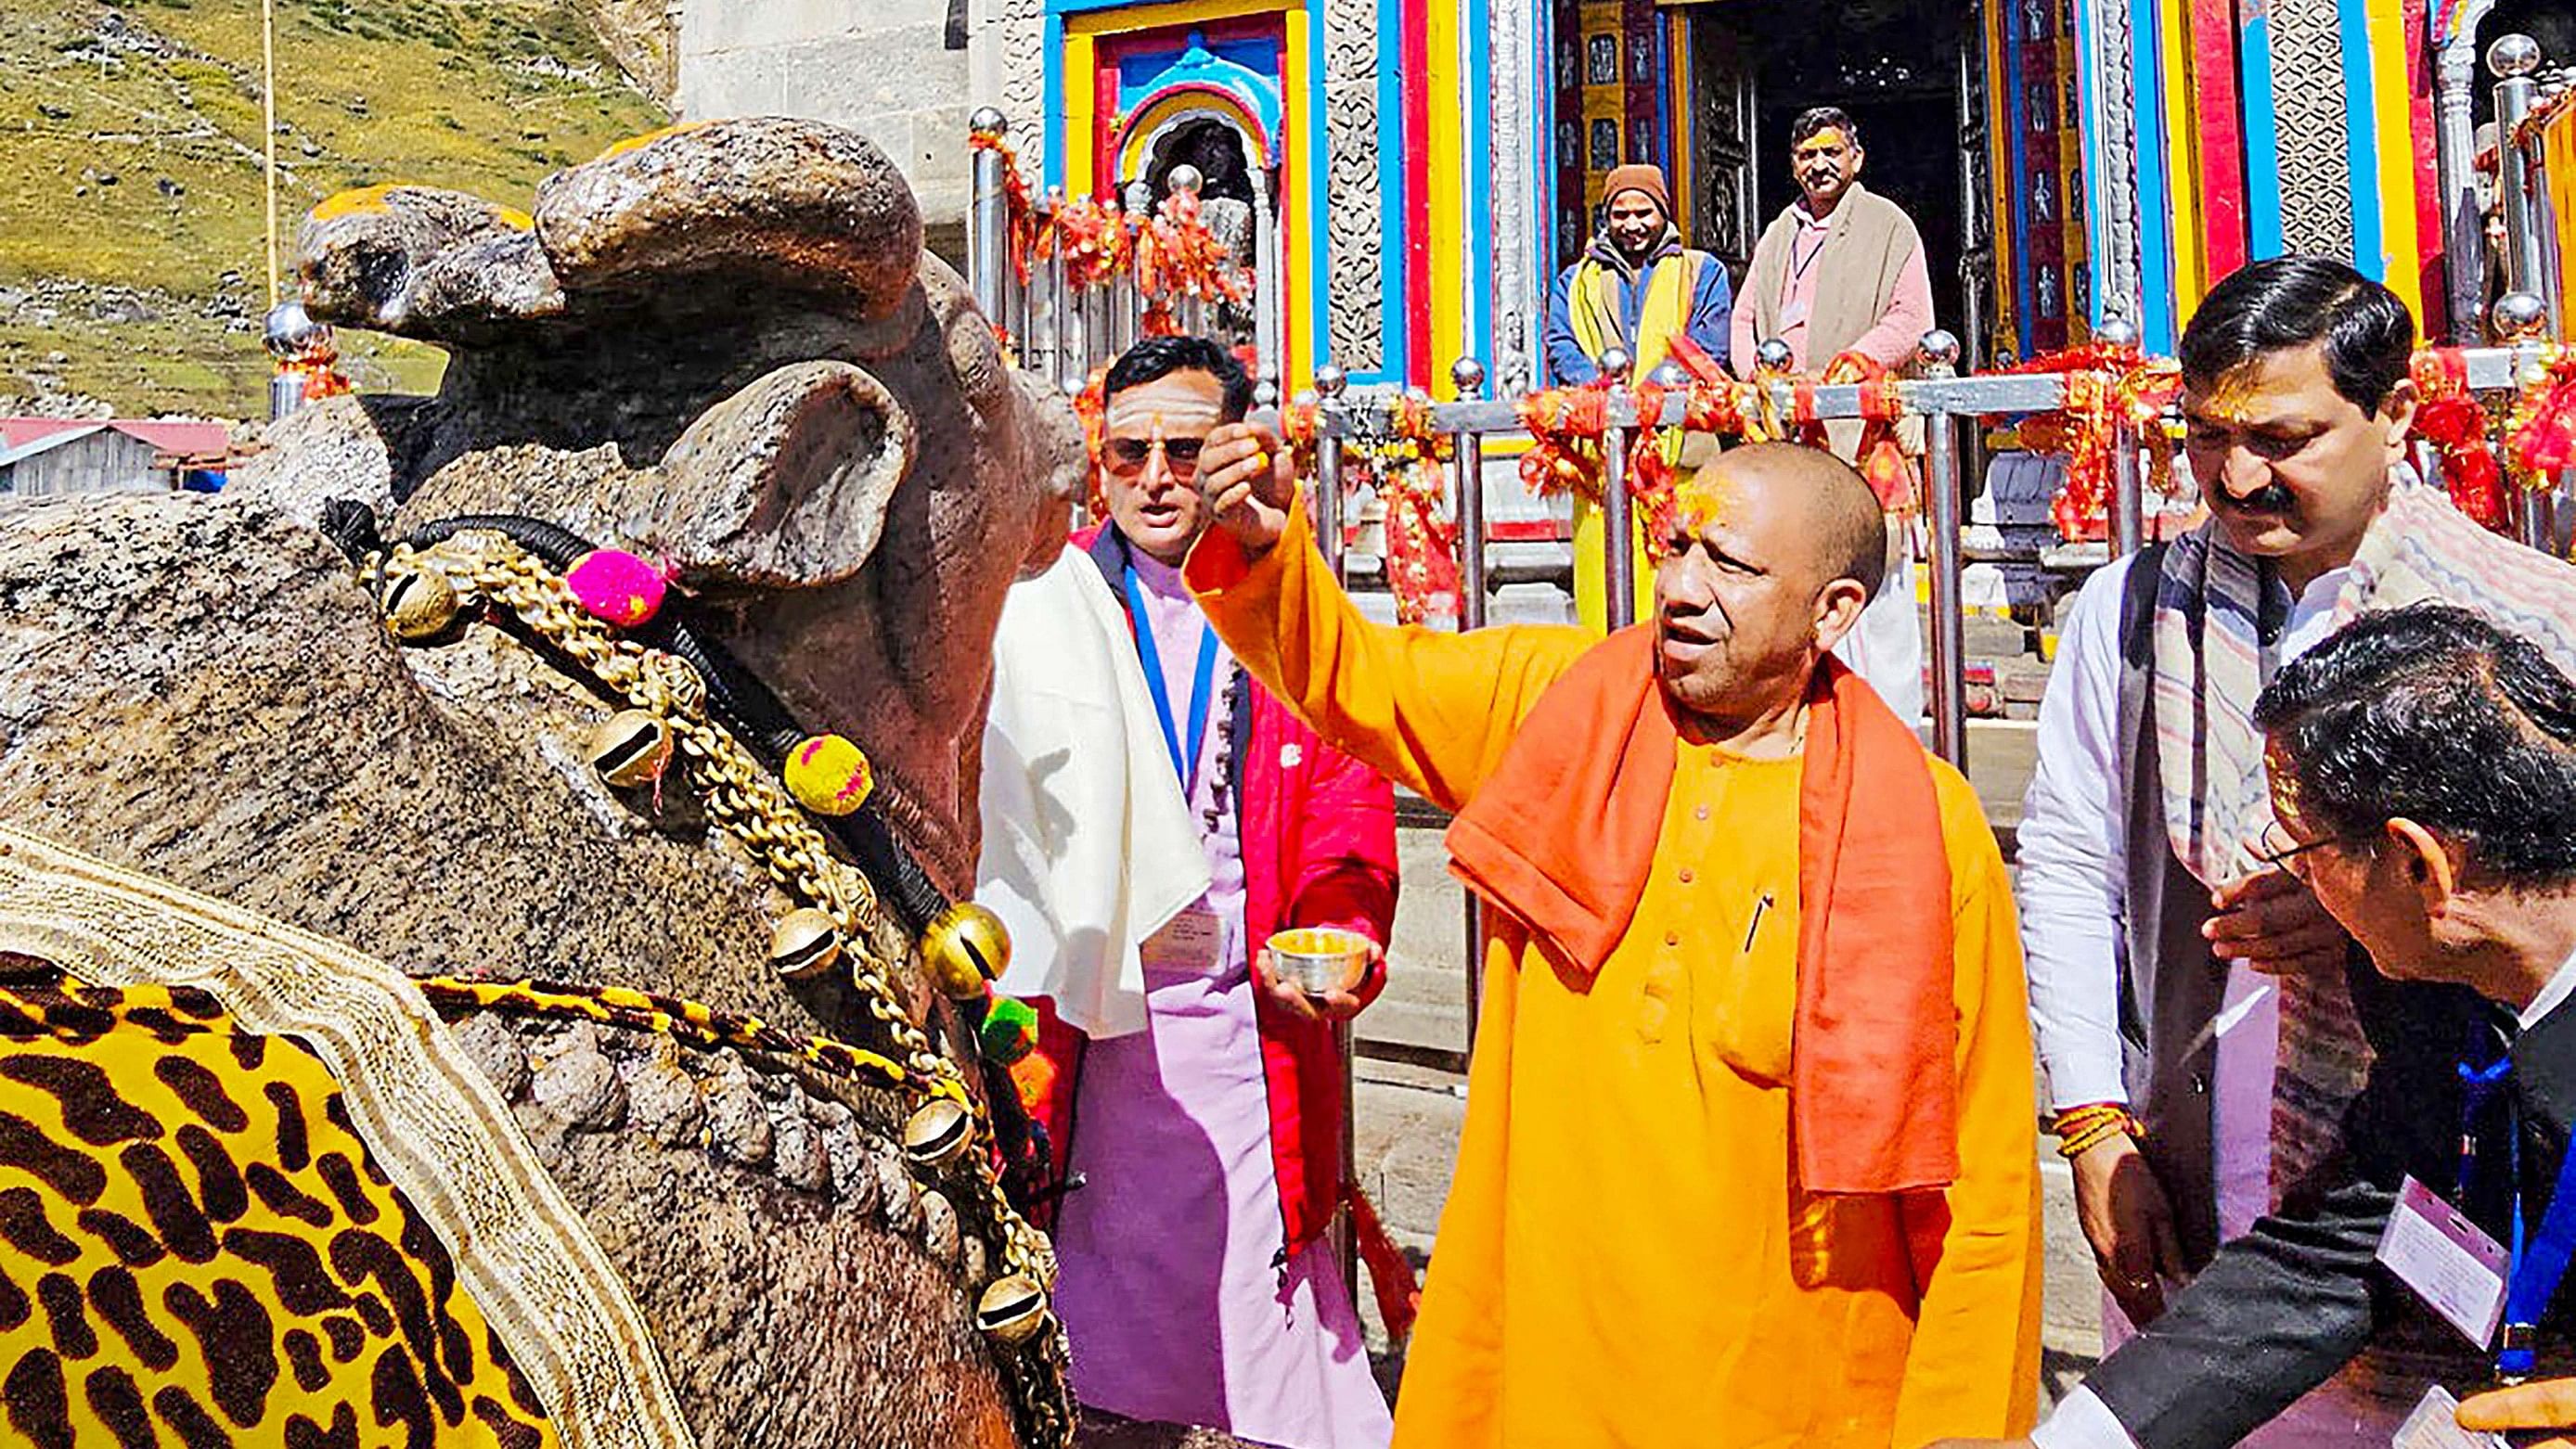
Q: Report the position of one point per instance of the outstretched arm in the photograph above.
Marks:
(1429, 710)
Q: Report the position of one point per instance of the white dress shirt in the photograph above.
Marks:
(2074, 894)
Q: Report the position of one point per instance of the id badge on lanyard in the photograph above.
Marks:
(2476, 1284)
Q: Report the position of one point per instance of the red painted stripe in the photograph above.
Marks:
(1527, 530)
(2428, 198)
(2222, 141)
(1106, 123)
(1417, 194)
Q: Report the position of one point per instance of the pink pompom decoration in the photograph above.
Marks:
(615, 586)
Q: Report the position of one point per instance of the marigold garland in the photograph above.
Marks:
(1020, 223)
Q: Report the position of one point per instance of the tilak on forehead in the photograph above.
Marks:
(1163, 409)
(1829, 136)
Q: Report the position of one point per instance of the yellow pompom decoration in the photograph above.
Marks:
(828, 775)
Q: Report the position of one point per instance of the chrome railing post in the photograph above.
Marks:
(1618, 540)
(988, 239)
(2514, 58)
(2521, 322)
(1329, 386)
(1468, 375)
(2128, 504)
(1939, 355)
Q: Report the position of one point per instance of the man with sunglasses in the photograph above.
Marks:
(2422, 768)
(1195, 1277)
(2172, 975)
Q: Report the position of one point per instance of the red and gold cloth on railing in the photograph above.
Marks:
(1020, 222)
(1421, 531)
(320, 376)
(1094, 240)
(1177, 256)
(2451, 418)
(2105, 385)
(2540, 436)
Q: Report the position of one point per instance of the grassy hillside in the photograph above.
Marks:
(131, 266)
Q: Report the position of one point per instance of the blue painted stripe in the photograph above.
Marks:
(2156, 287)
(1319, 231)
(2017, 187)
(2361, 143)
(2262, 140)
(1394, 337)
(1051, 165)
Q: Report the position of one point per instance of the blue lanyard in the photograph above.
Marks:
(1185, 766)
(2538, 1264)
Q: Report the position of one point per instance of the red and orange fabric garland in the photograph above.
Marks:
(2451, 418)
(2105, 385)
(2540, 434)
(1405, 465)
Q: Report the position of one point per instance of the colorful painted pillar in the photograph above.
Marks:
(2260, 127)
(1368, 125)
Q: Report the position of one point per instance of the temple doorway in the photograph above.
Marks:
(1911, 74)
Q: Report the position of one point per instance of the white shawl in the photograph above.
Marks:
(1088, 846)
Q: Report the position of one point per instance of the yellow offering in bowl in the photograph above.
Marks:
(1319, 960)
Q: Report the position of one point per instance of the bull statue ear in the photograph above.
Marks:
(786, 483)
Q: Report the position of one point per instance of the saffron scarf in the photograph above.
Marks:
(2212, 659)
(1562, 837)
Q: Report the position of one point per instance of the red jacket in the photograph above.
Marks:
(1318, 841)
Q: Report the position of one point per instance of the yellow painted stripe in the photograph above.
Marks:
(1685, 187)
(2182, 163)
(1171, 12)
(1296, 209)
(2392, 115)
(1447, 117)
(1077, 118)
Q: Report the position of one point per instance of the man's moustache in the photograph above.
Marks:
(2270, 498)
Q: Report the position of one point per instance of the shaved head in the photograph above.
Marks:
(1819, 495)
(1775, 549)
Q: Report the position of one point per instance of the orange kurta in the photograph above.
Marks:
(1626, 1257)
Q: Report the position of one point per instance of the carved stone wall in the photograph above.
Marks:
(1513, 197)
(2116, 185)
(2308, 100)
(1355, 236)
(1008, 69)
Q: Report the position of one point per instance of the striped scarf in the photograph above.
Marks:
(2212, 657)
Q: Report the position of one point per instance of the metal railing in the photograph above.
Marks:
(1064, 331)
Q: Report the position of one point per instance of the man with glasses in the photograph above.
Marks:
(2422, 767)
(2172, 975)
(1195, 1276)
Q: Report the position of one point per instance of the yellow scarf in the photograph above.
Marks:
(1669, 285)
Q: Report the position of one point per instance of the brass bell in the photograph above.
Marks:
(937, 1133)
(632, 748)
(805, 944)
(963, 948)
(419, 603)
(1013, 1309)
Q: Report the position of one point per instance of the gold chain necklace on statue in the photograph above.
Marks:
(839, 919)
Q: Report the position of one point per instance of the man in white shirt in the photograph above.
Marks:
(2159, 951)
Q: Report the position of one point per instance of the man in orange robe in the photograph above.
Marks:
(1749, 1158)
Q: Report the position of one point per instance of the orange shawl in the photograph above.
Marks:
(1562, 837)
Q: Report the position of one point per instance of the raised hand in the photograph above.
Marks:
(1250, 483)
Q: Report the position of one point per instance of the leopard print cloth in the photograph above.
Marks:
(196, 1246)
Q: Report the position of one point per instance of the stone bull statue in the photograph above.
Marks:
(289, 1151)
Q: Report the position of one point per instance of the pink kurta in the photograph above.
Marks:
(1172, 1288)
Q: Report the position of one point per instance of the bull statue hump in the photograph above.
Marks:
(384, 1029)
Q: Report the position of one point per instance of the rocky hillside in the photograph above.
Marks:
(131, 257)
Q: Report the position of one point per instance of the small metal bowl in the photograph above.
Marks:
(1320, 960)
